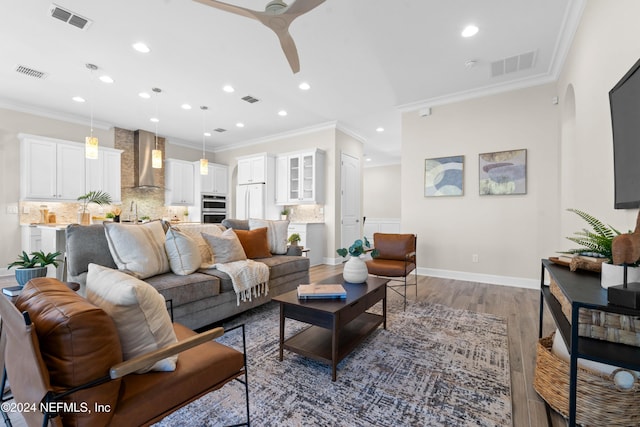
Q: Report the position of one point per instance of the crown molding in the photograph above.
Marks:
(56, 115)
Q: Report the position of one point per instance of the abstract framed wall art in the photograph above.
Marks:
(443, 176)
(503, 172)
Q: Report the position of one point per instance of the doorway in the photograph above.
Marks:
(350, 214)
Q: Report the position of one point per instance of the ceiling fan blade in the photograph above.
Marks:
(238, 10)
(289, 49)
(303, 6)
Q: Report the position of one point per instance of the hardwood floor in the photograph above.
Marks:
(519, 306)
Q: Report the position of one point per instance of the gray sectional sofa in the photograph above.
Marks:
(198, 299)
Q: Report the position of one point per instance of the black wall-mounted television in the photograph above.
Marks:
(624, 100)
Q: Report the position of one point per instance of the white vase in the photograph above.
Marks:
(355, 270)
(613, 275)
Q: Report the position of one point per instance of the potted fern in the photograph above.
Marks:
(100, 198)
(596, 242)
(29, 267)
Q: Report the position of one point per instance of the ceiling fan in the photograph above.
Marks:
(277, 16)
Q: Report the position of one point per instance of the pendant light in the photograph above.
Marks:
(91, 142)
(204, 163)
(156, 154)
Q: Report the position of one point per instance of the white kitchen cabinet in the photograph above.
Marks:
(103, 173)
(51, 169)
(215, 182)
(312, 238)
(253, 169)
(179, 183)
(304, 178)
(282, 176)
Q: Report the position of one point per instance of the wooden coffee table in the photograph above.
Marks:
(336, 326)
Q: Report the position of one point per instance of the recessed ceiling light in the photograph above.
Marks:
(228, 89)
(282, 113)
(380, 129)
(207, 134)
(141, 47)
(368, 159)
(470, 31)
(154, 119)
(304, 86)
(144, 95)
(185, 107)
(78, 99)
(240, 125)
(106, 79)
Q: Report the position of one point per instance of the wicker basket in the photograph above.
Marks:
(599, 401)
(602, 325)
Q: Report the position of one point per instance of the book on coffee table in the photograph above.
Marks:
(321, 291)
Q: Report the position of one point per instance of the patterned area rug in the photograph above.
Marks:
(433, 366)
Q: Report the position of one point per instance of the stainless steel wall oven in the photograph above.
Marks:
(214, 208)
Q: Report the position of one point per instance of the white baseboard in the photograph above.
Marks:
(518, 282)
(5, 272)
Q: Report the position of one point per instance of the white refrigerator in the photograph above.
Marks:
(251, 201)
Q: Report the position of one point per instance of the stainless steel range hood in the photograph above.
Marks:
(143, 143)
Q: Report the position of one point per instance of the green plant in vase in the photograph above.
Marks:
(29, 267)
(100, 198)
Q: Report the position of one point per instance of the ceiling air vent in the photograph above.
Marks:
(250, 99)
(513, 64)
(69, 17)
(21, 69)
(220, 130)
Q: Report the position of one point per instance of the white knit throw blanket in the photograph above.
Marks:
(249, 278)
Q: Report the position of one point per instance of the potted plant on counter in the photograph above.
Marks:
(284, 213)
(29, 267)
(355, 269)
(100, 198)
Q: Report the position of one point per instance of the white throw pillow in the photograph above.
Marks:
(195, 232)
(137, 309)
(183, 252)
(138, 249)
(276, 233)
(226, 247)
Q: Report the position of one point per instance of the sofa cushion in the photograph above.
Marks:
(254, 242)
(279, 266)
(185, 289)
(73, 352)
(138, 249)
(195, 232)
(276, 233)
(86, 244)
(138, 310)
(183, 252)
(236, 224)
(226, 247)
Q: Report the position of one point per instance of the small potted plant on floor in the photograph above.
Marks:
(355, 270)
(98, 197)
(29, 267)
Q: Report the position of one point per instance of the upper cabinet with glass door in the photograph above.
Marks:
(304, 178)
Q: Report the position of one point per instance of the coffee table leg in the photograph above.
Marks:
(334, 349)
(384, 308)
(281, 329)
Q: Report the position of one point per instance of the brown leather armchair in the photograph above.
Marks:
(396, 259)
(63, 359)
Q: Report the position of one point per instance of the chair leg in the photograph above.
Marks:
(246, 378)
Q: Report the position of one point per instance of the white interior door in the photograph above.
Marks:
(350, 183)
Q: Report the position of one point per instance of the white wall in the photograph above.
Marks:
(381, 192)
(510, 234)
(604, 48)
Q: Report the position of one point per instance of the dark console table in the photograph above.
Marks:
(583, 290)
